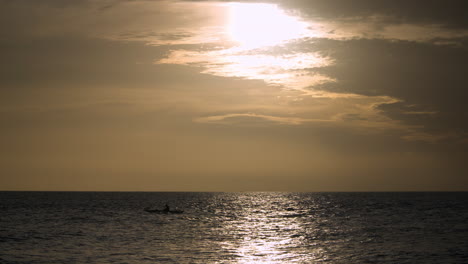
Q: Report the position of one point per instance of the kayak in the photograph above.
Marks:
(156, 211)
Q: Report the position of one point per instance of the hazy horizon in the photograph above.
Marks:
(271, 95)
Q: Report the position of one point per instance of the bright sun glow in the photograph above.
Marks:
(258, 25)
(256, 28)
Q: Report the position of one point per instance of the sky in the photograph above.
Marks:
(274, 95)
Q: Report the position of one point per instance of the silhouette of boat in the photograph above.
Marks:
(156, 211)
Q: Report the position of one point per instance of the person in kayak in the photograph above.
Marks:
(166, 208)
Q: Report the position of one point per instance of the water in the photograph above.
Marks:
(74, 227)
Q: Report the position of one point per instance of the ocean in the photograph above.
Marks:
(252, 227)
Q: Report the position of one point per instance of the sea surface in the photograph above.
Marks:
(263, 227)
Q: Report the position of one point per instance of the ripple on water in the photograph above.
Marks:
(234, 228)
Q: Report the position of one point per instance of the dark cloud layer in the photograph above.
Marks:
(450, 13)
(427, 78)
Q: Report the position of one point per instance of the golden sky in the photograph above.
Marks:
(115, 95)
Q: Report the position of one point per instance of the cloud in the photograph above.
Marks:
(448, 13)
(288, 70)
(254, 119)
(140, 94)
(424, 78)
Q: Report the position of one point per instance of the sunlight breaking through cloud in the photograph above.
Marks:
(287, 70)
(251, 31)
(259, 25)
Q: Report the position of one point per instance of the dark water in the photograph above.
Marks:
(56, 227)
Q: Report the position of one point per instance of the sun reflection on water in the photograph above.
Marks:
(271, 232)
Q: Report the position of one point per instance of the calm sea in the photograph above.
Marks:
(103, 227)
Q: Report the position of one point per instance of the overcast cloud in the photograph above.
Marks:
(154, 95)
